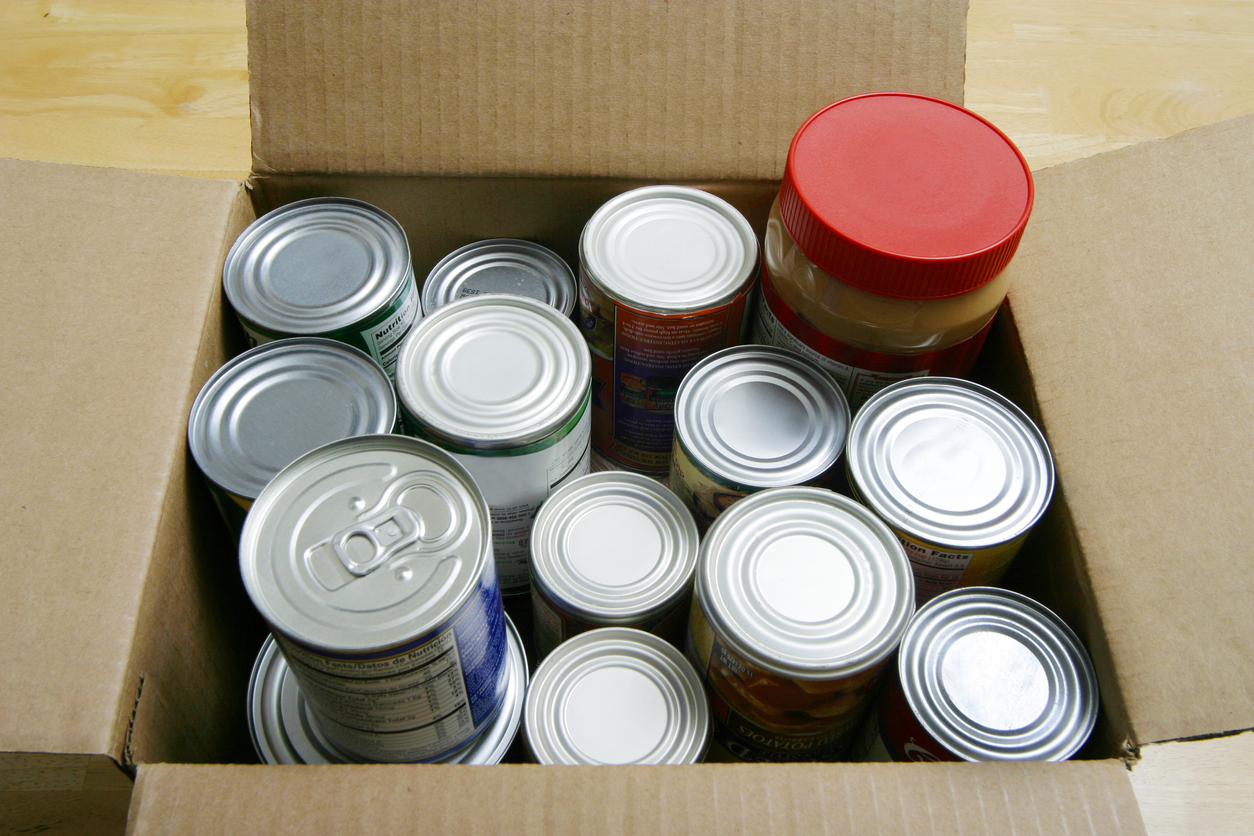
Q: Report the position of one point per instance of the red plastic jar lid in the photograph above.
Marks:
(905, 195)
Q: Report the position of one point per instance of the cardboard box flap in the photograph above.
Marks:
(108, 282)
(663, 89)
(1133, 301)
(771, 800)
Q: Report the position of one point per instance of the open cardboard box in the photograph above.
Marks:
(127, 638)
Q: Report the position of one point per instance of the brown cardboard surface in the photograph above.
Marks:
(1133, 304)
(776, 800)
(599, 88)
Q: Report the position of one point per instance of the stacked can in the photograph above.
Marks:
(959, 473)
(801, 597)
(665, 278)
(325, 267)
(371, 560)
(502, 383)
(271, 404)
(501, 265)
(754, 417)
(611, 549)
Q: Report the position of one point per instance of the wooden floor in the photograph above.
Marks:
(161, 85)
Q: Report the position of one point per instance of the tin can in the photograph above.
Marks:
(753, 417)
(665, 277)
(271, 404)
(371, 560)
(503, 384)
(325, 267)
(501, 265)
(801, 597)
(616, 696)
(958, 472)
(611, 549)
(285, 728)
(984, 674)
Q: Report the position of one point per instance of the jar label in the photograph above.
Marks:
(860, 373)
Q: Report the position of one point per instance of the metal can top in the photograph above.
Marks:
(805, 583)
(994, 675)
(285, 727)
(616, 696)
(669, 249)
(271, 404)
(615, 547)
(493, 372)
(761, 417)
(316, 266)
(950, 462)
(366, 543)
(501, 265)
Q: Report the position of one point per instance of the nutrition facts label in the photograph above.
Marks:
(384, 339)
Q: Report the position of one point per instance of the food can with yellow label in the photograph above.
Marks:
(958, 472)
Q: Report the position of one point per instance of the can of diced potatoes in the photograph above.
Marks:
(752, 417)
(665, 278)
(502, 383)
(271, 404)
(501, 265)
(371, 560)
(325, 267)
(612, 549)
(616, 696)
(958, 472)
(801, 597)
(984, 674)
(285, 728)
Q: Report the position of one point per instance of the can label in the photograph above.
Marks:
(892, 732)
(860, 373)
(763, 716)
(233, 507)
(554, 624)
(639, 360)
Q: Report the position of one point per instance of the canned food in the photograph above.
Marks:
(501, 265)
(325, 267)
(371, 560)
(665, 277)
(616, 696)
(985, 674)
(502, 383)
(275, 402)
(753, 417)
(611, 550)
(801, 596)
(958, 472)
(285, 728)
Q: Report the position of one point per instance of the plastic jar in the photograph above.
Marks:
(886, 253)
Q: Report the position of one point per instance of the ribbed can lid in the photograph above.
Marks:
(616, 696)
(905, 195)
(805, 583)
(271, 404)
(993, 675)
(761, 417)
(501, 265)
(615, 547)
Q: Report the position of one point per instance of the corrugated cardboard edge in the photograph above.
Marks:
(781, 800)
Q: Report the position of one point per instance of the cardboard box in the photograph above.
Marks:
(128, 639)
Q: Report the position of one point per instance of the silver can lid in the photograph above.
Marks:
(366, 543)
(285, 727)
(994, 675)
(950, 462)
(669, 249)
(616, 696)
(501, 265)
(493, 372)
(271, 404)
(761, 417)
(317, 266)
(805, 583)
(615, 547)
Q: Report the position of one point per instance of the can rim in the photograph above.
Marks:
(558, 280)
